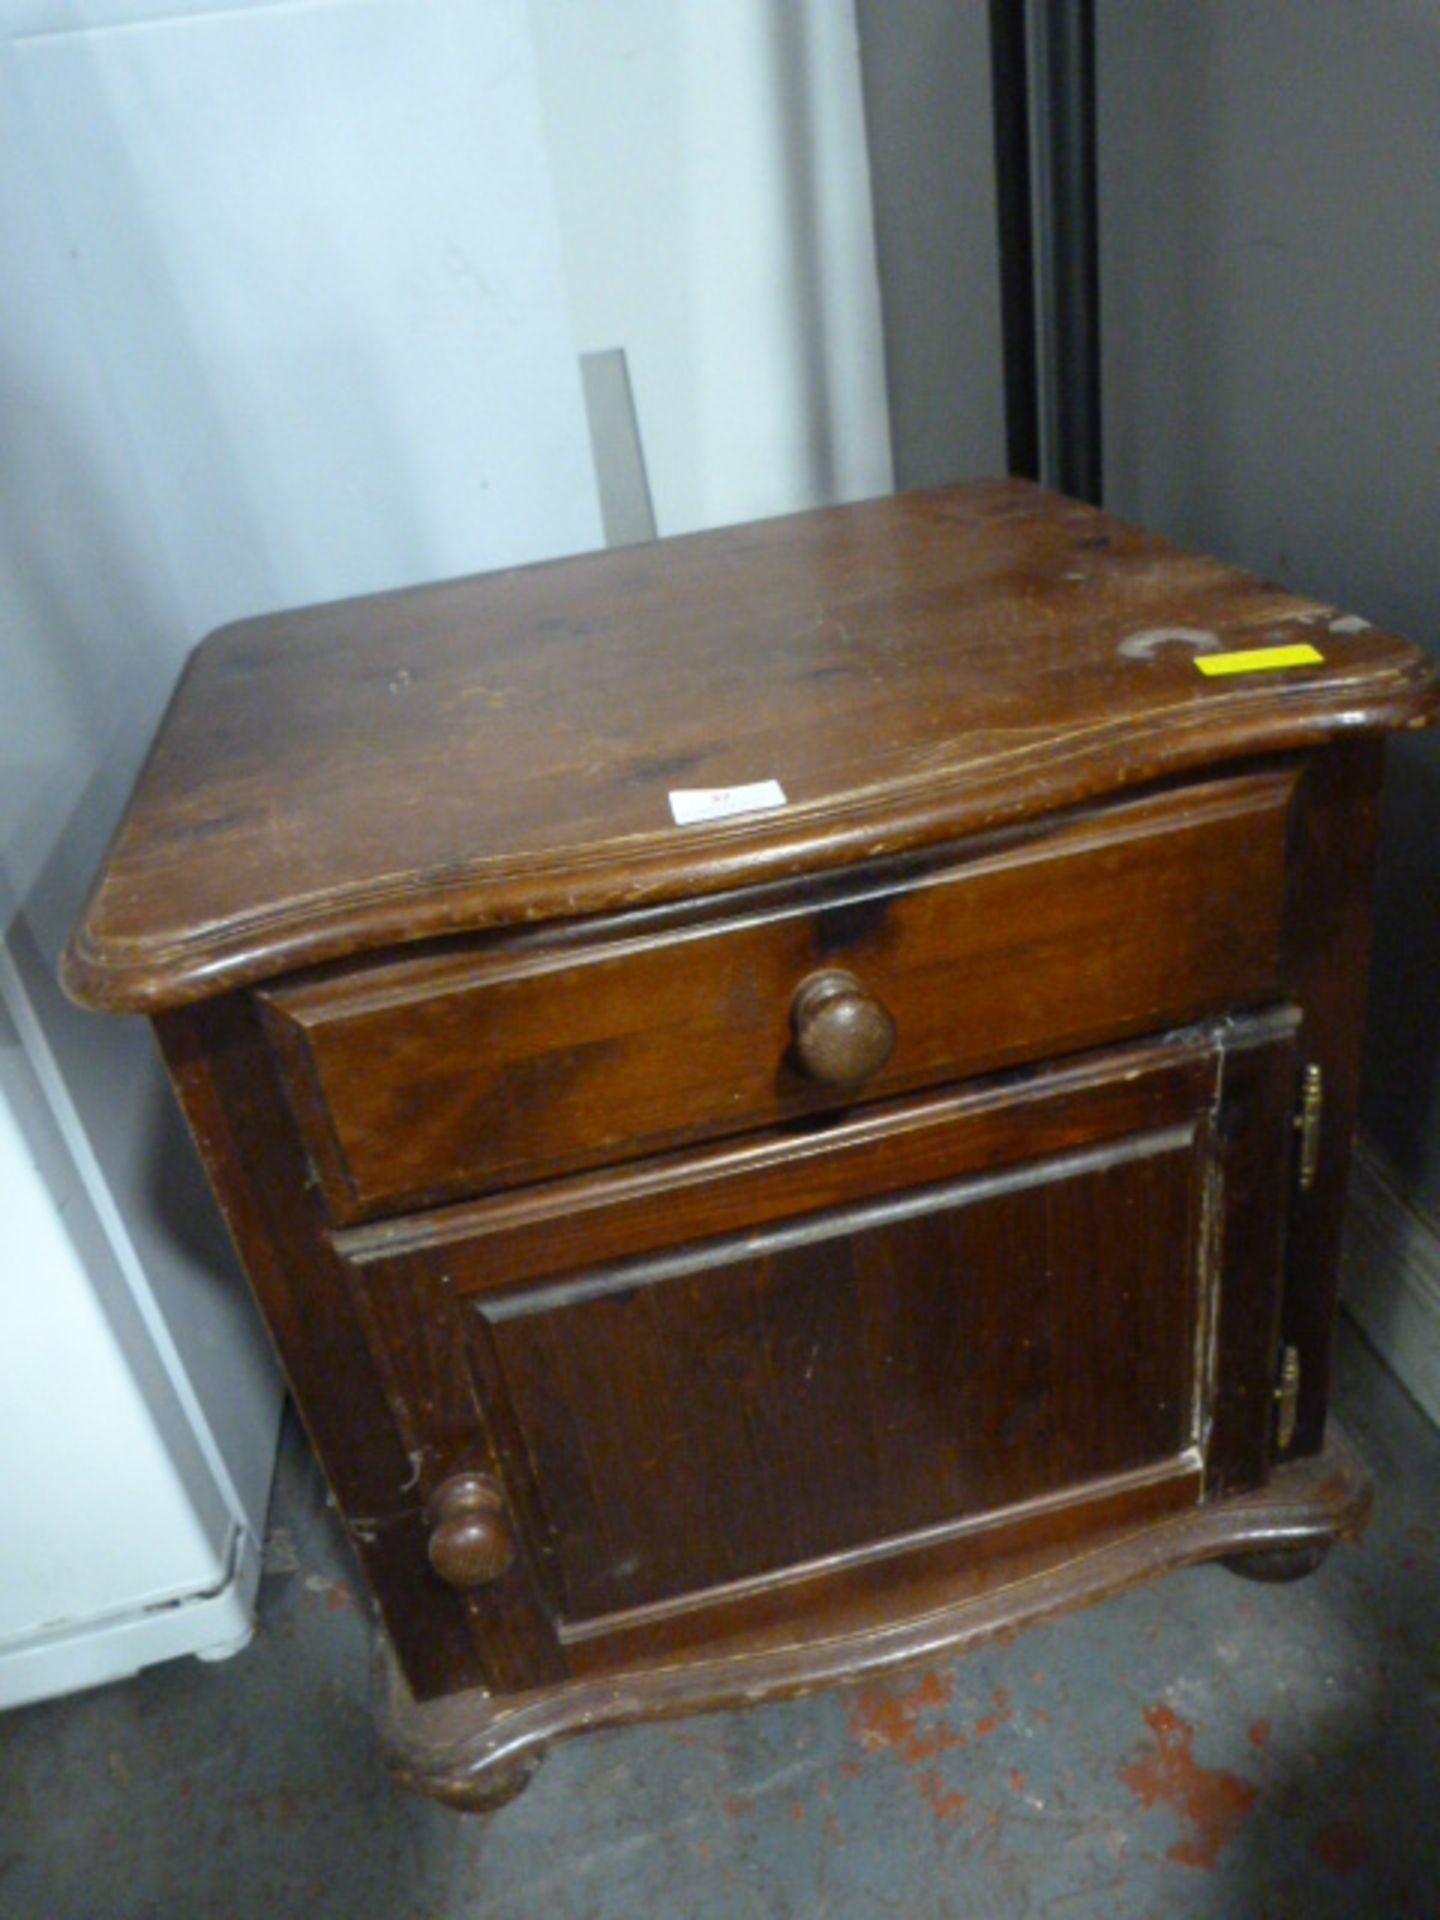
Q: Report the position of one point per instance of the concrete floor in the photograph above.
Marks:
(1203, 1746)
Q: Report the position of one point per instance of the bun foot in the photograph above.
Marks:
(453, 1749)
(486, 1793)
(1276, 1565)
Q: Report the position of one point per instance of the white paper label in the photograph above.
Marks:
(689, 804)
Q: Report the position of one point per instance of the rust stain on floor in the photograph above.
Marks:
(944, 1804)
(1211, 1801)
(885, 1720)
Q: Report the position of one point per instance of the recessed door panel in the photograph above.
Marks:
(889, 1368)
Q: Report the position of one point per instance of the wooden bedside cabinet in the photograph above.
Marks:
(785, 1095)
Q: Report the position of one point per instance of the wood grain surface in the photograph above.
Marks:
(813, 1392)
(741, 1385)
(458, 756)
(424, 1079)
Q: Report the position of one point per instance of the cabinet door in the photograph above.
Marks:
(887, 1347)
(880, 1370)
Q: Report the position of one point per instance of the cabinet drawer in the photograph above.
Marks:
(465, 1071)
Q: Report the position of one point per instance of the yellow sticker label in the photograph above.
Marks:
(1259, 660)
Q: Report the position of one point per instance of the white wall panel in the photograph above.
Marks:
(322, 268)
(713, 189)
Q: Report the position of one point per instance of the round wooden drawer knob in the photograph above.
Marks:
(842, 1033)
(470, 1538)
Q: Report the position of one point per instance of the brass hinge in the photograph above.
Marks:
(1287, 1397)
(1307, 1124)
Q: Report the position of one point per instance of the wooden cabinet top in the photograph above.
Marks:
(503, 748)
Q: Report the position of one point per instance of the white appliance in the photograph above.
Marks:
(130, 1516)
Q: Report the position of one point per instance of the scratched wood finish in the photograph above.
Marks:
(473, 1752)
(500, 749)
(423, 1079)
(841, 1591)
(489, 1063)
(430, 1395)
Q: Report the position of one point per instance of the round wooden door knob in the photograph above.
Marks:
(470, 1538)
(842, 1033)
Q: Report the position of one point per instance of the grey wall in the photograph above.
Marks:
(925, 69)
(1270, 192)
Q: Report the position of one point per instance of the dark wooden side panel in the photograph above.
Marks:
(1253, 1137)
(425, 1079)
(224, 1076)
(825, 1387)
(1327, 958)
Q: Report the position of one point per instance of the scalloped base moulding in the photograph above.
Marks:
(475, 1751)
